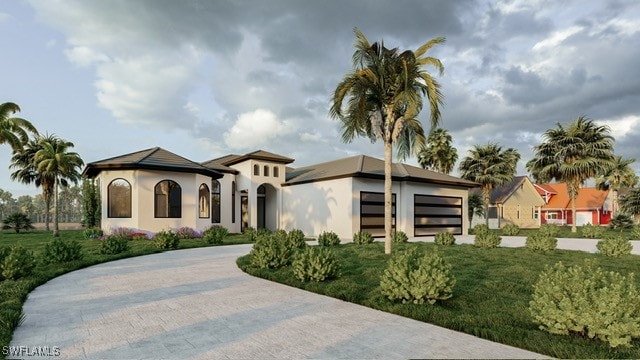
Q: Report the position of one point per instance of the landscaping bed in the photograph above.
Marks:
(490, 299)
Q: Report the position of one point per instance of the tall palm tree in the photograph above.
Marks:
(489, 166)
(630, 202)
(573, 154)
(55, 160)
(619, 175)
(438, 154)
(383, 97)
(27, 173)
(475, 205)
(14, 131)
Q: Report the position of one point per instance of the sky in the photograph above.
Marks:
(205, 79)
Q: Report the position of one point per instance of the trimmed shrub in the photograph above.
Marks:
(510, 230)
(263, 232)
(166, 239)
(362, 238)
(139, 236)
(592, 231)
(296, 239)
(89, 234)
(614, 246)
(280, 234)
(487, 240)
(445, 238)
(587, 301)
(112, 245)
(414, 278)
(315, 263)
(549, 230)
(215, 234)
(539, 241)
(18, 263)
(59, 251)
(188, 233)
(480, 229)
(399, 236)
(270, 253)
(123, 232)
(251, 232)
(328, 238)
(620, 222)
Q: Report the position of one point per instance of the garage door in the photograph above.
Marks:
(372, 212)
(583, 218)
(436, 214)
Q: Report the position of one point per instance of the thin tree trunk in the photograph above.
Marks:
(56, 231)
(388, 150)
(574, 216)
(614, 205)
(486, 195)
(47, 206)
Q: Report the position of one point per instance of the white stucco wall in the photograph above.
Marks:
(319, 206)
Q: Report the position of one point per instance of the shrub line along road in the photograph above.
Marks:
(197, 304)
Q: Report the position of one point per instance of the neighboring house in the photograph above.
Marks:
(154, 189)
(593, 206)
(516, 202)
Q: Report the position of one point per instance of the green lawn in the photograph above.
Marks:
(491, 297)
(14, 293)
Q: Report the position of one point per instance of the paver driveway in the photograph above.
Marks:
(196, 303)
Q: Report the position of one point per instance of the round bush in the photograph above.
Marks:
(510, 230)
(445, 238)
(414, 278)
(18, 263)
(166, 239)
(480, 229)
(541, 242)
(59, 251)
(362, 238)
(187, 233)
(269, 252)
(328, 238)
(251, 232)
(315, 263)
(549, 230)
(215, 234)
(487, 240)
(295, 238)
(614, 246)
(399, 236)
(114, 245)
(592, 231)
(586, 301)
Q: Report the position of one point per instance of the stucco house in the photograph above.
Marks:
(154, 189)
(516, 202)
(593, 206)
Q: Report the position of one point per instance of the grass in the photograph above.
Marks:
(490, 299)
(14, 293)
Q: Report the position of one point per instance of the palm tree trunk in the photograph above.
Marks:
(388, 150)
(614, 204)
(47, 206)
(574, 228)
(486, 195)
(56, 231)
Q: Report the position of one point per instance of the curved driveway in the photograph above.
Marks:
(196, 303)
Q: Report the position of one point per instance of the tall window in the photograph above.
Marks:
(203, 201)
(215, 201)
(265, 172)
(233, 202)
(168, 199)
(119, 199)
(256, 170)
(276, 171)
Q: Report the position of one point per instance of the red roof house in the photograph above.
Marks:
(593, 206)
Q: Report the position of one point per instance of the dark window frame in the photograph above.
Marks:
(171, 195)
(204, 195)
(110, 198)
(370, 215)
(216, 190)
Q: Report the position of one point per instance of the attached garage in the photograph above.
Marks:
(436, 214)
(372, 212)
(583, 218)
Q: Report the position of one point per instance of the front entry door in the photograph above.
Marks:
(261, 212)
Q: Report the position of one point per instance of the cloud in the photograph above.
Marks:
(255, 129)
(84, 56)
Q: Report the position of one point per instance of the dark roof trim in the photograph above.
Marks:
(257, 156)
(381, 177)
(92, 170)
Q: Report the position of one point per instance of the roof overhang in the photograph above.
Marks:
(366, 175)
(92, 170)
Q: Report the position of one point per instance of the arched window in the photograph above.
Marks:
(256, 170)
(168, 199)
(233, 202)
(276, 171)
(119, 199)
(203, 201)
(215, 201)
(265, 172)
